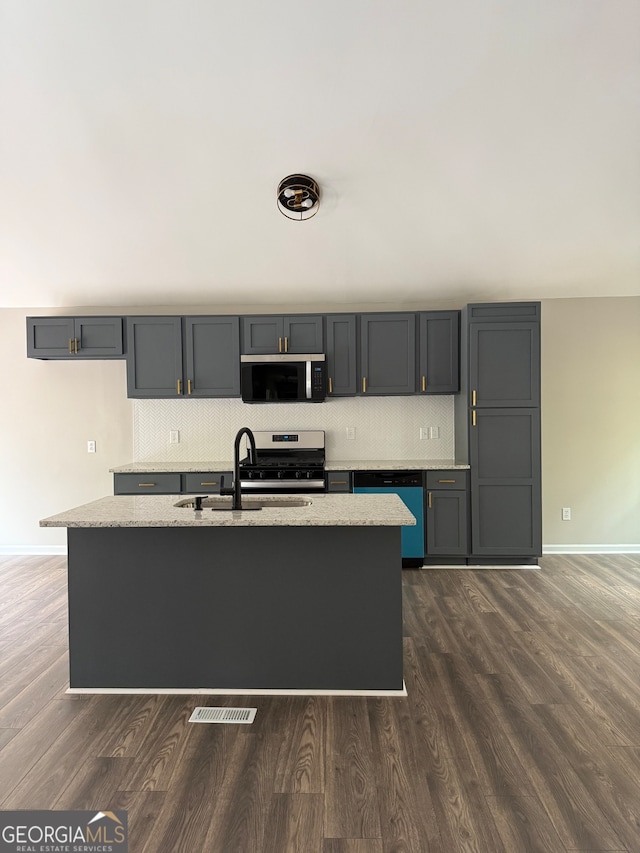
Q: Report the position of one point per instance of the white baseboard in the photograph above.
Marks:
(591, 549)
(34, 550)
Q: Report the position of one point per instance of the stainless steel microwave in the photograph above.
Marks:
(283, 378)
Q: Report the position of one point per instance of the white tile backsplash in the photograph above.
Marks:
(386, 427)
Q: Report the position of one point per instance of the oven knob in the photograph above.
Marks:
(298, 475)
(280, 475)
(261, 475)
(309, 475)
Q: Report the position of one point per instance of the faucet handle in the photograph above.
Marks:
(224, 491)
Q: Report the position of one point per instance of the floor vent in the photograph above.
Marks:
(223, 715)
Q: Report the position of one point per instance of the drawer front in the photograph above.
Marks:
(446, 479)
(146, 484)
(338, 481)
(205, 482)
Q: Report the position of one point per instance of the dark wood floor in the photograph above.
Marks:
(520, 733)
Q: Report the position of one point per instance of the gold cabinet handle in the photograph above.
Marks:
(337, 482)
(364, 384)
(286, 344)
(179, 386)
(474, 397)
(188, 386)
(75, 346)
(446, 481)
(70, 346)
(330, 385)
(209, 484)
(424, 383)
(146, 484)
(473, 418)
(430, 502)
(279, 344)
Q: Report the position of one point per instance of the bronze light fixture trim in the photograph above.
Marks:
(298, 197)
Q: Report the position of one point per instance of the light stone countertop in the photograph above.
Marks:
(155, 467)
(325, 510)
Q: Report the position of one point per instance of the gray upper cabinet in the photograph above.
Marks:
(342, 352)
(504, 355)
(74, 337)
(154, 357)
(212, 356)
(388, 354)
(267, 334)
(439, 358)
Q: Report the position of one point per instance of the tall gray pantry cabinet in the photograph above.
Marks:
(498, 429)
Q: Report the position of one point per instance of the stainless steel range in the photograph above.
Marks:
(285, 462)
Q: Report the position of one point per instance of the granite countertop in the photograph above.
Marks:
(325, 510)
(394, 465)
(154, 467)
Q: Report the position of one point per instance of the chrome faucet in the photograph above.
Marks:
(236, 490)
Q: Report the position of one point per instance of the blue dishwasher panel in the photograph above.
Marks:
(413, 498)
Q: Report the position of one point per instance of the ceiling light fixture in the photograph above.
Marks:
(298, 197)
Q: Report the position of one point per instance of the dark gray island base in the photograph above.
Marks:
(235, 608)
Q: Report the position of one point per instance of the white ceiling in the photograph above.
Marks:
(465, 149)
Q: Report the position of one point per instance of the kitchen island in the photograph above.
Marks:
(302, 599)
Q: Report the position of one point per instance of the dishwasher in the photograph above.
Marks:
(409, 486)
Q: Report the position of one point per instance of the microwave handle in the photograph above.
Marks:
(308, 379)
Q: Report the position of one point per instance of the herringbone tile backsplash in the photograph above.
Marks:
(386, 427)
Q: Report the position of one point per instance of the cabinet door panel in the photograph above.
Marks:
(439, 352)
(504, 364)
(304, 333)
(505, 482)
(388, 353)
(505, 444)
(212, 350)
(99, 337)
(502, 519)
(49, 337)
(447, 523)
(341, 355)
(154, 357)
(260, 334)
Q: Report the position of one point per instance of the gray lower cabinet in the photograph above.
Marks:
(171, 483)
(387, 354)
(447, 525)
(205, 482)
(74, 337)
(505, 483)
(339, 481)
(439, 352)
(212, 356)
(272, 333)
(342, 353)
(147, 484)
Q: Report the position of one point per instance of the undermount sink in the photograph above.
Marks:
(254, 502)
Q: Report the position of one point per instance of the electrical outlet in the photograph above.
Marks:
(435, 432)
(566, 513)
(91, 447)
(174, 436)
(351, 433)
(425, 432)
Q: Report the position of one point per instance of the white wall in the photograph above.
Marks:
(590, 434)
